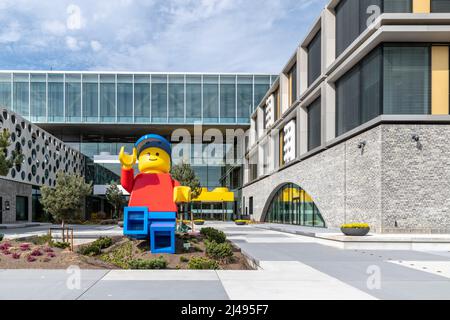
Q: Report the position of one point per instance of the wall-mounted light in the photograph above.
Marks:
(415, 137)
(362, 144)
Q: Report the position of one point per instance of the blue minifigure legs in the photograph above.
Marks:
(160, 227)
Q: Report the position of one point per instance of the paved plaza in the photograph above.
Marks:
(291, 266)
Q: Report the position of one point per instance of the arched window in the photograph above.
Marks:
(293, 205)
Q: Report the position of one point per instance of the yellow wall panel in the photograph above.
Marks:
(421, 6)
(440, 80)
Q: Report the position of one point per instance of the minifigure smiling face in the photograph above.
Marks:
(154, 160)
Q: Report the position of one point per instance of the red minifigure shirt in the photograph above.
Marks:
(151, 190)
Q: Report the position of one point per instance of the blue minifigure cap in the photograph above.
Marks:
(153, 141)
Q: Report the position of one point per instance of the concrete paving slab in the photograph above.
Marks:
(437, 268)
(45, 284)
(161, 275)
(156, 290)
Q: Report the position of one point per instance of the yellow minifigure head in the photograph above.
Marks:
(154, 154)
(154, 160)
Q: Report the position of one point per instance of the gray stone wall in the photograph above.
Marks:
(8, 192)
(392, 183)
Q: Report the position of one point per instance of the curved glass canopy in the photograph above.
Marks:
(293, 205)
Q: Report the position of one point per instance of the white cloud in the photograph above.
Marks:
(54, 27)
(75, 19)
(11, 33)
(72, 43)
(96, 45)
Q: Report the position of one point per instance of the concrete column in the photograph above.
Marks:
(303, 69)
(328, 38)
(328, 93)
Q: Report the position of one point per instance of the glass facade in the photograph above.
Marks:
(53, 97)
(352, 18)
(440, 6)
(314, 58)
(293, 205)
(314, 124)
(393, 79)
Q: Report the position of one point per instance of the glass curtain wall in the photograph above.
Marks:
(124, 98)
(293, 205)
(244, 98)
(211, 99)
(73, 98)
(5, 90)
(193, 98)
(55, 98)
(107, 98)
(262, 85)
(227, 99)
(21, 95)
(159, 98)
(38, 97)
(141, 98)
(90, 98)
(176, 98)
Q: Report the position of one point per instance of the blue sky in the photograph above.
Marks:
(153, 35)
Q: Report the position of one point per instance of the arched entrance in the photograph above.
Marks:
(290, 204)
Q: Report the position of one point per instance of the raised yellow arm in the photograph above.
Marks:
(127, 160)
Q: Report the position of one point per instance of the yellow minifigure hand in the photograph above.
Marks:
(127, 160)
(182, 194)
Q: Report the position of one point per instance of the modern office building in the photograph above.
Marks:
(95, 113)
(357, 127)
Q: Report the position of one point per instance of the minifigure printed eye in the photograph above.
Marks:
(148, 154)
(157, 154)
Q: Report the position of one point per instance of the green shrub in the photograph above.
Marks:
(213, 235)
(200, 263)
(61, 245)
(90, 250)
(1, 236)
(219, 251)
(157, 263)
(120, 256)
(41, 240)
(184, 259)
(103, 242)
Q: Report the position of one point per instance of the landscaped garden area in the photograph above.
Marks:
(206, 250)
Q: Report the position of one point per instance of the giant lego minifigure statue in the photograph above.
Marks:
(152, 209)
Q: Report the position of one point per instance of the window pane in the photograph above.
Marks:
(440, 6)
(107, 98)
(159, 99)
(90, 98)
(176, 99)
(21, 95)
(366, 15)
(262, 85)
(244, 98)
(347, 91)
(142, 99)
(193, 99)
(211, 99)
(314, 124)
(228, 99)
(314, 58)
(124, 98)
(347, 24)
(73, 98)
(5, 90)
(398, 6)
(406, 80)
(55, 98)
(371, 86)
(38, 97)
